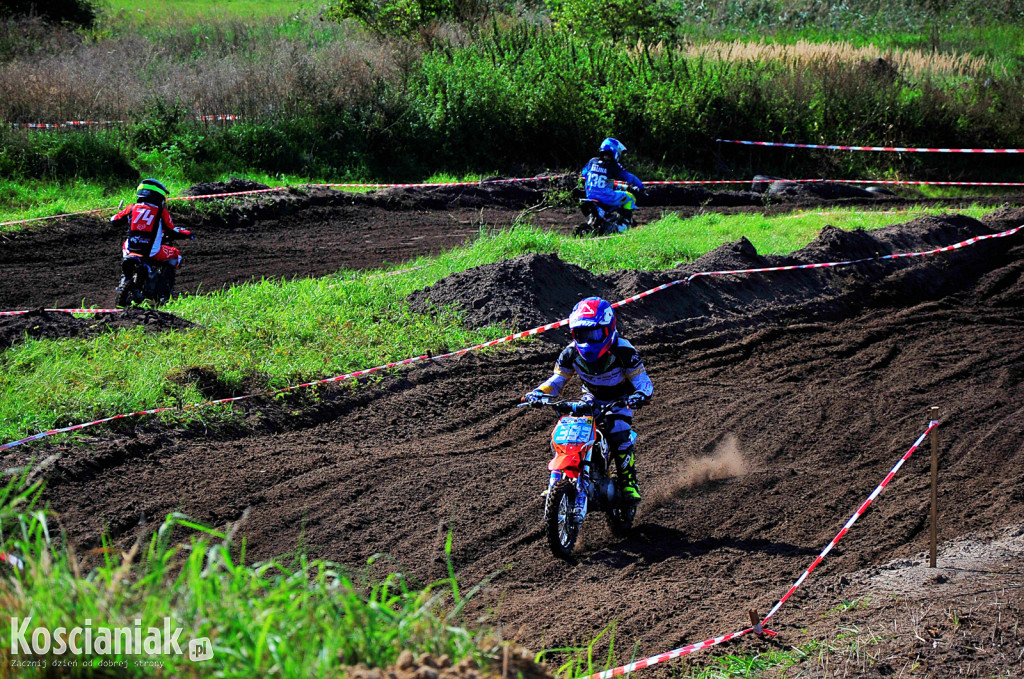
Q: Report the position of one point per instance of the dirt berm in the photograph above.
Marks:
(536, 289)
(781, 401)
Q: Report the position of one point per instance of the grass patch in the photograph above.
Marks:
(586, 660)
(751, 665)
(289, 617)
(275, 333)
(152, 13)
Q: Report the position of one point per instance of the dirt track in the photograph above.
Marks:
(815, 382)
(75, 262)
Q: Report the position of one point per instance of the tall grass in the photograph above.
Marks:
(286, 617)
(275, 333)
(332, 100)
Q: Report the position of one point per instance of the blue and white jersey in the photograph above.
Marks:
(601, 174)
(617, 374)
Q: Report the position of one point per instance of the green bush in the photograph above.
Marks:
(161, 123)
(390, 17)
(99, 155)
(93, 156)
(631, 20)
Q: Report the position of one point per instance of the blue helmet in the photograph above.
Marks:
(613, 146)
(151, 192)
(592, 323)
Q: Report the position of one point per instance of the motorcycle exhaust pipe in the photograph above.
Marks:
(609, 493)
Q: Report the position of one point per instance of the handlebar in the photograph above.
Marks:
(575, 407)
(632, 188)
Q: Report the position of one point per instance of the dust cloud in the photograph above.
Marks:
(726, 462)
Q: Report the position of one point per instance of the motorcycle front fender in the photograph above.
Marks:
(568, 464)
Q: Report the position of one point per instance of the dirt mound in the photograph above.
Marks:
(233, 185)
(824, 190)
(524, 292)
(665, 195)
(42, 324)
(1004, 218)
(491, 192)
(533, 290)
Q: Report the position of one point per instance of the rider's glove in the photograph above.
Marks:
(636, 399)
(534, 396)
(186, 233)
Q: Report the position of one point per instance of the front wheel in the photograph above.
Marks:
(560, 522)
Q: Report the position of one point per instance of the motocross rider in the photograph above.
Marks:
(149, 224)
(611, 370)
(600, 174)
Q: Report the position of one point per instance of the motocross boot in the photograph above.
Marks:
(626, 462)
(627, 217)
(170, 273)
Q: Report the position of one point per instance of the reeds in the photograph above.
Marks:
(229, 67)
(803, 53)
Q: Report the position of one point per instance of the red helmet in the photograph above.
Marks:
(592, 323)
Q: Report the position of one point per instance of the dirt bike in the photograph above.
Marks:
(142, 279)
(603, 220)
(581, 479)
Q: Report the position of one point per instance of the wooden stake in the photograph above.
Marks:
(755, 622)
(935, 485)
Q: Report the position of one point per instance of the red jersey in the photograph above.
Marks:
(146, 224)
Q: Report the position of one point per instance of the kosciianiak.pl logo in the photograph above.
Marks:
(98, 641)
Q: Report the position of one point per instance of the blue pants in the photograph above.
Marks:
(614, 199)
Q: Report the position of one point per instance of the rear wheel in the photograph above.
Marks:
(125, 293)
(560, 523)
(591, 228)
(620, 519)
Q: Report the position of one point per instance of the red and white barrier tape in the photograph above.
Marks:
(328, 380)
(685, 650)
(890, 182)
(647, 293)
(233, 193)
(680, 182)
(88, 123)
(822, 265)
(837, 147)
(656, 659)
(432, 185)
(853, 519)
(70, 123)
(286, 188)
(66, 214)
(105, 209)
(507, 338)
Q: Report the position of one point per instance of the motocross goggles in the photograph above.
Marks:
(589, 335)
